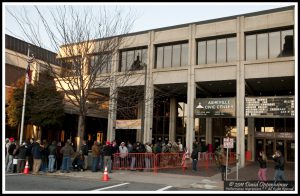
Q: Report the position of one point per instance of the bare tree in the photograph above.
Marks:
(87, 45)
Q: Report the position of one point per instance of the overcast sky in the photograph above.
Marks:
(156, 15)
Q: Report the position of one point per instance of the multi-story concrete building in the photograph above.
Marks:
(233, 75)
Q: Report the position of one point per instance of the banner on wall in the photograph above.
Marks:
(215, 107)
(129, 124)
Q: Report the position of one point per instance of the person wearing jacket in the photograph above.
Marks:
(279, 166)
(194, 157)
(85, 151)
(37, 157)
(95, 156)
(262, 172)
(52, 151)
(21, 158)
(107, 153)
(67, 152)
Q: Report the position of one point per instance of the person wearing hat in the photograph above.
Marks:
(123, 155)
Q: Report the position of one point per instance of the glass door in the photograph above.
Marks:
(259, 146)
(280, 146)
(269, 148)
(290, 150)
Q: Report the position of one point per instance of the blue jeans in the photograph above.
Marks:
(51, 163)
(279, 175)
(195, 161)
(95, 164)
(65, 164)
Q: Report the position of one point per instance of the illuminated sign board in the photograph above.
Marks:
(215, 107)
(270, 107)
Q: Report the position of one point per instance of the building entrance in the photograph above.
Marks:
(285, 146)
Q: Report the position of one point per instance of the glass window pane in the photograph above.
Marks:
(144, 56)
(176, 56)
(201, 52)
(231, 49)
(184, 54)
(250, 47)
(159, 57)
(287, 41)
(211, 51)
(274, 43)
(167, 56)
(123, 61)
(130, 59)
(221, 50)
(109, 59)
(262, 46)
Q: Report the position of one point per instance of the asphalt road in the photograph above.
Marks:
(21, 182)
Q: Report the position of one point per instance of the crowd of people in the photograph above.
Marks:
(50, 157)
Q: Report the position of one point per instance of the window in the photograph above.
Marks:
(159, 57)
(128, 57)
(172, 55)
(100, 63)
(216, 50)
(221, 50)
(231, 49)
(250, 47)
(262, 46)
(287, 40)
(167, 56)
(184, 54)
(176, 56)
(201, 52)
(274, 40)
(270, 45)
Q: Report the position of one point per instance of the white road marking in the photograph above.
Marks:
(12, 174)
(165, 188)
(109, 187)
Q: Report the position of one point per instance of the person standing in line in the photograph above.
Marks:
(52, 150)
(279, 166)
(262, 172)
(95, 156)
(107, 153)
(21, 158)
(85, 151)
(67, 152)
(37, 157)
(222, 159)
(123, 155)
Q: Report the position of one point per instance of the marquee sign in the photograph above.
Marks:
(270, 106)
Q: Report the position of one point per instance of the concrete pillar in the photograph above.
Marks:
(172, 122)
(251, 138)
(139, 136)
(149, 96)
(240, 93)
(191, 94)
(113, 95)
(208, 135)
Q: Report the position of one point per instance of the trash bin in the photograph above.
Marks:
(248, 155)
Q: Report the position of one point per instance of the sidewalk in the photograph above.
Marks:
(209, 179)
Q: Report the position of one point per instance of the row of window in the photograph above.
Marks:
(270, 45)
(210, 51)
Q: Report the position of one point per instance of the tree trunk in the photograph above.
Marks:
(81, 125)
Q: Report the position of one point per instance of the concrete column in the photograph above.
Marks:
(139, 136)
(240, 93)
(191, 94)
(208, 135)
(172, 122)
(149, 96)
(251, 137)
(113, 95)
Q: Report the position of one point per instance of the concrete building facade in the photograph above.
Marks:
(249, 55)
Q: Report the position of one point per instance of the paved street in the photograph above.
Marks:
(21, 182)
